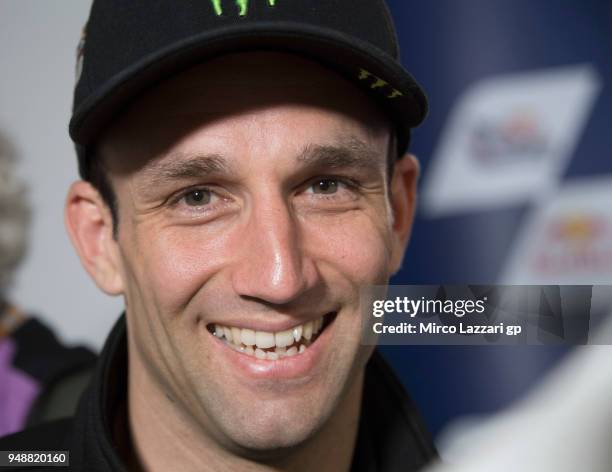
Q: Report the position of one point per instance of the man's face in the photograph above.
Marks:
(253, 203)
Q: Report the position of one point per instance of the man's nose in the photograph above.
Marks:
(274, 266)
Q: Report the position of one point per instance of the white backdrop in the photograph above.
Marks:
(38, 39)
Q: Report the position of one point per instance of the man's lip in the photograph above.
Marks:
(270, 326)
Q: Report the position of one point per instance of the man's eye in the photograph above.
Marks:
(325, 186)
(197, 197)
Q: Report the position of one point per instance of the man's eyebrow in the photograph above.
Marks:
(348, 153)
(178, 166)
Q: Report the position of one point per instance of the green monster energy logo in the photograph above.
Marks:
(243, 6)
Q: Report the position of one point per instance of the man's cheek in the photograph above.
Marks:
(360, 250)
(177, 267)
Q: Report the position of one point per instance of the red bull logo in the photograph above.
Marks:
(518, 137)
(576, 243)
(577, 230)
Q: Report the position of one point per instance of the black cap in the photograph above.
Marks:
(130, 45)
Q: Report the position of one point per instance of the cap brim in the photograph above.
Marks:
(346, 55)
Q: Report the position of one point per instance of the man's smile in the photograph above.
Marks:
(272, 345)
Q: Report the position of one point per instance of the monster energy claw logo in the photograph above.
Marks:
(243, 6)
(378, 83)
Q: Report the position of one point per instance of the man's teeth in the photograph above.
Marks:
(267, 345)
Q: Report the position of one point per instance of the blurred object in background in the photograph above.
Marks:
(517, 175)
(567, 238)
(565, 425)
(14, 215)
(507, 140)
(37, 53)
(39, 378)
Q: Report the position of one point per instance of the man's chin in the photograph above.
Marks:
(268, 438)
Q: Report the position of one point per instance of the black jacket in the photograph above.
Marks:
(391, 435)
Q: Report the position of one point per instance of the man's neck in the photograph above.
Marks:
(166, 438)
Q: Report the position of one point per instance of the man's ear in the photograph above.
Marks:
(403, 205)
(90, 227)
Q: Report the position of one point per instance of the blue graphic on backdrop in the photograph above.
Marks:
(451, 47)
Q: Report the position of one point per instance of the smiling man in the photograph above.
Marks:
(244, 176)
